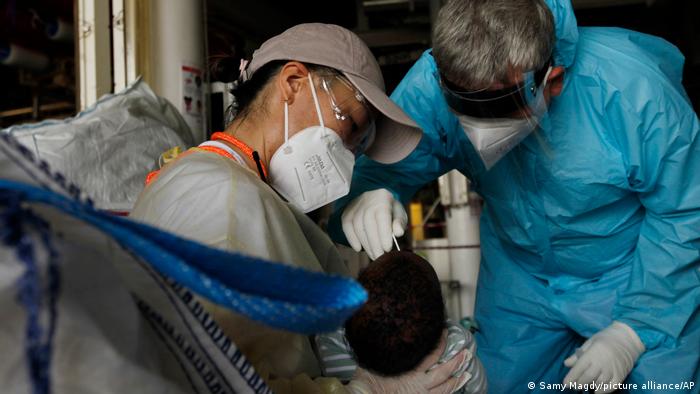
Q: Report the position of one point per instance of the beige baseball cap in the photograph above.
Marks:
(338, 48)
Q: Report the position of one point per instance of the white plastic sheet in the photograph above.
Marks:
(109, 148)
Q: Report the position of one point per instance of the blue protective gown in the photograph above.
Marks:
(595, 217)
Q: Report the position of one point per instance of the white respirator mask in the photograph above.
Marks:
(313, 167)
(493, 138)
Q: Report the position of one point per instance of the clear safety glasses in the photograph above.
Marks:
(511, 102)
(353, 109)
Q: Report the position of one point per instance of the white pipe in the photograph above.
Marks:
(463, 229)
(14, 55)
(177, 59)
(60, 30)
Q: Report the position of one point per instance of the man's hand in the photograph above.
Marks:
(606, 357)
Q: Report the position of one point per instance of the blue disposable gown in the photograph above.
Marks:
(595, 217)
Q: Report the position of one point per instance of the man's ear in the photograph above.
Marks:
(555, 81)
(290, 80)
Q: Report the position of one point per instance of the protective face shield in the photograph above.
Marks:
(313, 168)
(362, 124)
(497, 120)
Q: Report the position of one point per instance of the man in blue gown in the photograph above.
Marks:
(586, 150)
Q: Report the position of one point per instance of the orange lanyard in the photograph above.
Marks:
(248, 151)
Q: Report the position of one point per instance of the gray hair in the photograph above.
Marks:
(479, 42)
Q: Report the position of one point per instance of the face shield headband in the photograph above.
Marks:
(511, 102)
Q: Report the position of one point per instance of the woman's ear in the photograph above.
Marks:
(290, 80)
(555, 81)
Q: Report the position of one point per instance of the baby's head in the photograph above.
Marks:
(404, 316)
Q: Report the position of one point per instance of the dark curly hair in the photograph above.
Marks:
(404, 316)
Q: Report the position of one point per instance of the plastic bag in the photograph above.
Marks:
(109, 148)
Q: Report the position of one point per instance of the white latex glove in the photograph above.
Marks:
(606, 357)
(422, 380)
(370, 220)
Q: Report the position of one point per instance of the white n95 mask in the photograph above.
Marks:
(494, 138)
(313, 168)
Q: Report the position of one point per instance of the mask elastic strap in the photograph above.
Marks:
(546, 76)
(318, 107)
(286, 122)
(540, 97)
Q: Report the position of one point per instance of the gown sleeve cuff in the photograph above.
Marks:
(650, 337)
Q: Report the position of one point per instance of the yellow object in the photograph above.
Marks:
(416, 220)
(169, 155)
